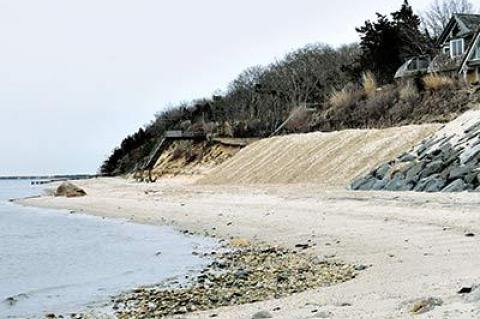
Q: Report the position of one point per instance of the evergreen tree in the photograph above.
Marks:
(412, 41)
(387, 43)
(379, 41)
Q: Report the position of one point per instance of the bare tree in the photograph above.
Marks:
(437, 16)
(241, 95)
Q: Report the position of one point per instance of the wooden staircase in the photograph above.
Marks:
(164, 142)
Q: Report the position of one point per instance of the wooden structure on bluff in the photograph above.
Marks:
(170, 136)
(164, 142)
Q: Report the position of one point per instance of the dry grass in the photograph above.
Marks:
(408, 92)
(369, 83)
(299, 120)
(181, 149)
(436, 82)
(345, 97)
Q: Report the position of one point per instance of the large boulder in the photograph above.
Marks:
(413, 174)
(396, 184)
(382, 171)
(67, 189)
(407, 157)
(469, 154)
(379, 185)
(448, 161)
(430, 184)
(432, 168)
(459, 172)
(364, 183)
(455, 187)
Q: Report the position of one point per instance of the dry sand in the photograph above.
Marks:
(332, 159)
(415, 243)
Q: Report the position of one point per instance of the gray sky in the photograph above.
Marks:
(77, 76)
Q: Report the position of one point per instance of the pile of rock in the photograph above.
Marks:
(446, 162)
(234, 278)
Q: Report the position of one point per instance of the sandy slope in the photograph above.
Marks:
(415, 243)
(332, 159)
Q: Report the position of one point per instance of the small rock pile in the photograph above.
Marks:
(234, 278)
(449, 161)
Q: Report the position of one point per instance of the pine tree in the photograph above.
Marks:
(412, 41)
(380, 48)
(387, 43)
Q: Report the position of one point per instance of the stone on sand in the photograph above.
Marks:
(67, 189)
(262, 315)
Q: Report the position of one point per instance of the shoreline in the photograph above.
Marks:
(415, 243)
(211, 288)
(150, 246)
(238, 273)
(236, 276)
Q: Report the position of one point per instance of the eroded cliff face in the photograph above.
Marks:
(448, 161)
(190, 158)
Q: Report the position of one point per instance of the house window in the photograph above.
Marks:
(476, 52)
(418, 64)
(412, 65)
(456, 48)
(423, 63)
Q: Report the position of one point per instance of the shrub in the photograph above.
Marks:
(376, 106)
(182, 149)
(300, 120)
(435, 82)
(408, 92)
(226, 130)
(369, 83)
(346, 97)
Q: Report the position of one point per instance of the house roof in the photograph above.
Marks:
(470, 49)
(471, 21)
(466, 22)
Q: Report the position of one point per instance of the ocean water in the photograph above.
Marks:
(54, 261)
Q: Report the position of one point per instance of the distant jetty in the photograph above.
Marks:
(46, 179)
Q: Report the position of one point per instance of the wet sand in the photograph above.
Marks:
(415, 245)
(52, 261)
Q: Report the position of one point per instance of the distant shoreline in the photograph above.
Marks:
(52, 177)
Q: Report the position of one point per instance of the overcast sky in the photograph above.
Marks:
(77, 76)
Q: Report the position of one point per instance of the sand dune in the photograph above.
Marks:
(332, 159)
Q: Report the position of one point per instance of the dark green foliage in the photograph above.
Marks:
(380, 48)
(413, 41)
(130, 143)
(387, 42)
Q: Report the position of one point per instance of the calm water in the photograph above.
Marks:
(53, 261)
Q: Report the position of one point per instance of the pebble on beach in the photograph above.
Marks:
(236, 277)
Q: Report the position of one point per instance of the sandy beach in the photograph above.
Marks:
(415, 246)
